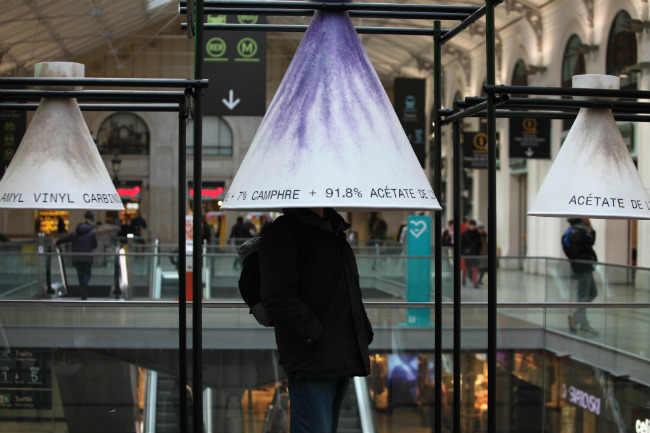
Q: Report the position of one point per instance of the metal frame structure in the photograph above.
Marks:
(190, 102)
(497, 96)
(466, 15)
(138, 100)
(499, 103)
(182, 101)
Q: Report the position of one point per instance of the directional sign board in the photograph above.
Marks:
(409, 106)
(475, 149)
(235, 64)
(530, 138)
(12, 128)
(25, 378)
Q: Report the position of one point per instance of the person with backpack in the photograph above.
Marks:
(310, 288)
(239, 233)
(470, 242)
(577, 243)
(83, 240)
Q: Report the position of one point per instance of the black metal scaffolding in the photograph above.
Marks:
(466, 15)
(189, 102)
(122, 100)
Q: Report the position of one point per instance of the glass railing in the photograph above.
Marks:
(65, 363)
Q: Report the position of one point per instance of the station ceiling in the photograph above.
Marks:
(33, 31)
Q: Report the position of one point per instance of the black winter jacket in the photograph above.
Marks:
(310, 287)
(470, 242)
(83, 241)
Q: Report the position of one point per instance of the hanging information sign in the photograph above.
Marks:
(409, 106)
(530, 138)
(235, 64)
(12, 128)
(475, 150)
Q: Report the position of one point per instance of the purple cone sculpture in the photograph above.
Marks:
(331, 137)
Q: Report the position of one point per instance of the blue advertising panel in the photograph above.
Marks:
(418, 270)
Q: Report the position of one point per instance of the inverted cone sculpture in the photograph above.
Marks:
(57, 165)
(593, 174)
(331, 137)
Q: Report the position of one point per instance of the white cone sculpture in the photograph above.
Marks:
(57, 164)
(331, 137)
(593, 174)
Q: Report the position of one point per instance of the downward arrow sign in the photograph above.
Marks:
(231, 103)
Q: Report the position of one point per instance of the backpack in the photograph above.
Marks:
(573, 242)
(250, 281)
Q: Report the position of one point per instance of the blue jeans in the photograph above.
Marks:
(84, 270)
(316, 404)
(587, 292)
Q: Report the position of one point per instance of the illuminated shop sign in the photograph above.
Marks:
(129, 192)
(210, 190)
(212, 193)
(581, 398)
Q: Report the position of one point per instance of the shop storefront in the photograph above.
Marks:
(51, 221)
(131, 193)
(212, 194)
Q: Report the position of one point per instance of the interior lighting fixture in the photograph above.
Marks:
(593, 174)
(57, 164)
(116, 162)
(331, 137)
(532, 69)
(585, 49)
(633, 69)
(636, 26)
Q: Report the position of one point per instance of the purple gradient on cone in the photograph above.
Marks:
(329, 75)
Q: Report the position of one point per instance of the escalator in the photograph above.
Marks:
(161, 413)
(357, 415)
(60, 287)
(58, 283)
(161, 406)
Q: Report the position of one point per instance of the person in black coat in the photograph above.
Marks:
(582, 258)
(83, 240)
(310, 288)
(239, 233)
(470, 242)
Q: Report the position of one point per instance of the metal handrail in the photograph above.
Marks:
(367, 304)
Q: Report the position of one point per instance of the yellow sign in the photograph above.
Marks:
(480, 142)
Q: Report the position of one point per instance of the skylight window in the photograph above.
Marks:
(153, 4)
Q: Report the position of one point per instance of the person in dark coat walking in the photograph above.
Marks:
(83, 240)
(581, 239)
(470, 242)
(239, 233)
(310, 288)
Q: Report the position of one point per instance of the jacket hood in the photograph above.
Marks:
(83, 228)
(331, 221)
